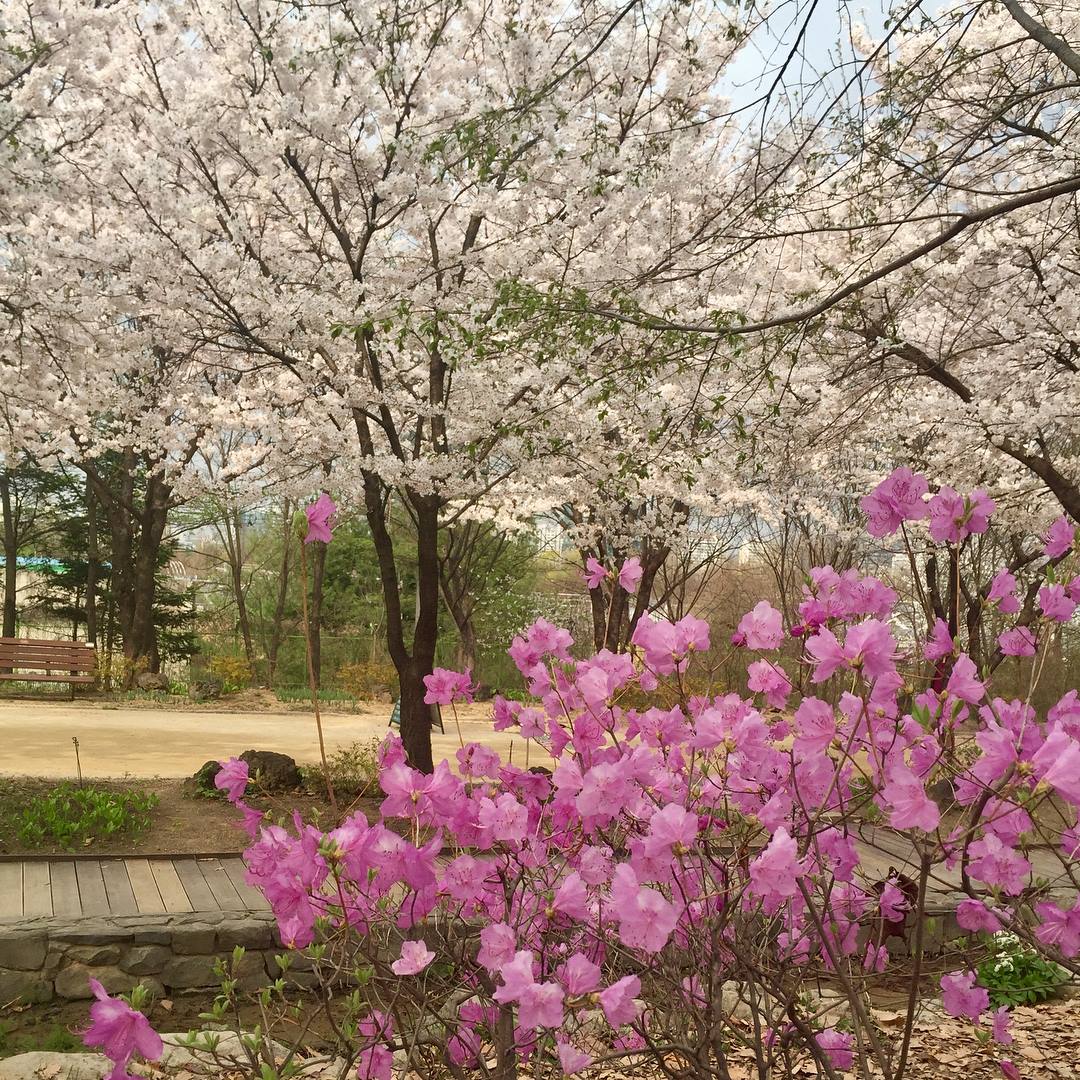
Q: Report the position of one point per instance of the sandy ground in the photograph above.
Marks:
(36, 737)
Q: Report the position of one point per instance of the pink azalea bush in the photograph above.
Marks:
(683, 865)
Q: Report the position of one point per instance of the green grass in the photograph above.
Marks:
(302, 693)
(56, 1039)
(70, 816)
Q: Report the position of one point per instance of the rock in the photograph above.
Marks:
(145, 959)
(207, 689)
(47, 1065)
(94, 955)
(193, 940)
(25, 986)
(25, 952)
(186, 972)
(252, 935)
(151, 680)
(227, 1047)
(250, 973)
(275, 772)
(203, 780)
(732, 1003)
(73, 981)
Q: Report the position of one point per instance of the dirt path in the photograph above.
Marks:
(36, 737)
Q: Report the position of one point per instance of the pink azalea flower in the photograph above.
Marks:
(1009, 1070)
(415, 956)
(771, 680)
(1019, 641)
(120, 1031)
(541, 1005)
(320, 515)
(953, 518)
(630, 574)
(909, 805)
(893, 903)
(595, 573)
(443, 686)
(998, 864)
(619, 1001)
(963, 681)
(838, 1047)
(898, 498)
(1058, 928)
(940, 643)
(975, 916)
(1000, 1030)
(869, 647)
(497, 946)
(503, 819)
(1057, 762)
(775, 873)
(815, 726)
(579, 975)
(571, 1059)
(762, 627)
(1060, 538)
(962, 997)
(232, 778)
(1055, 603)
(645, 916)
(1003, 592)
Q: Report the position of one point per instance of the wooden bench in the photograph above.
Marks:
(41, 660)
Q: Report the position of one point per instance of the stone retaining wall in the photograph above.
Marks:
(49, 958)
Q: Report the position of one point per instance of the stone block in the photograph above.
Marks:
(92, 955)
(73, 982)
(91, 932)
(24, 952)
(252, 935)
(194, 939)
(189, 972)
(26, 986)
(145, 959)
(250, 973)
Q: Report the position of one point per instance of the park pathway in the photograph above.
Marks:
(71, 888)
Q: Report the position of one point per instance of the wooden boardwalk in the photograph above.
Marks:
(79, 888)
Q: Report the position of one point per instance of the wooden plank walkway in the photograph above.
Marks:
(77, 888)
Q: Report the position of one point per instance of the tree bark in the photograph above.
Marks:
(11, 555)
(90, 601)
(276, 627)
(136, 533)
(235, 550)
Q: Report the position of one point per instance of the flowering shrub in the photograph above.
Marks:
(683, 877)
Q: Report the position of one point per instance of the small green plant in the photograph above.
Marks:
(69, 816)
(1016, 975)
(354, 770)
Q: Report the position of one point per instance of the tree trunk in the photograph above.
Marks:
(90, 602)
(136, 535)
(11, 556)
(276, 628)
(411, 666)
(236, 567)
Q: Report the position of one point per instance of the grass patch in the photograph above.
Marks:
(302, 693)
(55, 1039)
(70, 817)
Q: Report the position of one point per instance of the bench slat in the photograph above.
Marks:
(78, 662)
(35, 677)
